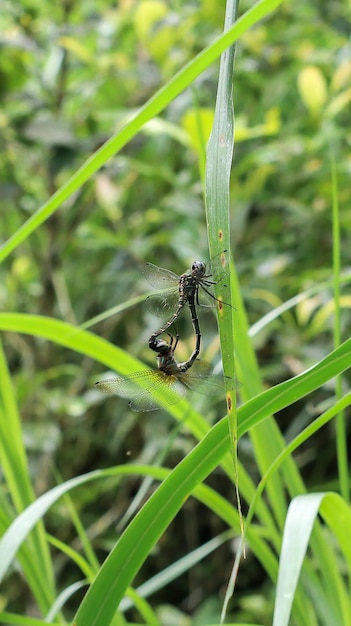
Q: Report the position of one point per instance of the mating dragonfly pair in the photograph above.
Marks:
(147, 386)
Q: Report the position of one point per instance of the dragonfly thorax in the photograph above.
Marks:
(190, 280)
(167, 364)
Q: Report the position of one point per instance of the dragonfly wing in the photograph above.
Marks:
(207, 300)
(205, 385)
(145, 388)
(162, 305)
(216, 268)
(199, 379)
(128, 387)
(160, 278)
(199, 369)
(206, 294)
(145, 401)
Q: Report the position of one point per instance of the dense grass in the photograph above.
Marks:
(65, 452)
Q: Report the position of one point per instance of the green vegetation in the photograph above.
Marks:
(107, 112)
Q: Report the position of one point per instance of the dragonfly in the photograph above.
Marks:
(181, 290)
(145, 388)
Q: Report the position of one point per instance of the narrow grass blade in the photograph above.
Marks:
(153, 107)
(218, 169)
(36, 559)
(301, 517)
(341, 435)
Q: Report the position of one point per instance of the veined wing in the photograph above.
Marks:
(199, 379)
(162, 304)
(128, 386)
(160, 278)
(206, 292)
(144, 401)
(144, 388)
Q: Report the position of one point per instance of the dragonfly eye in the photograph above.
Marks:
(160, 346)
(199, 267)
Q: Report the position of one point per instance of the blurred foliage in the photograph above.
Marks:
(70, 74)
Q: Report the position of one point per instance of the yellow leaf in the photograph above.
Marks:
(147, 14)
(313, 88)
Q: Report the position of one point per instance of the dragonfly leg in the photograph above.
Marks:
(214, 297)
(173, 339)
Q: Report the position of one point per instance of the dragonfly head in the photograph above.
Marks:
(199, 268)
(161, 347)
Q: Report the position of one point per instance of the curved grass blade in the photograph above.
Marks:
(180, 81)
(218, 170)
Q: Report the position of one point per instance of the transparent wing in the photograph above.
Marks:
(160, 278)
(199, 379)
(144, 401)
(216, 273)
(128, 387)
(162, 305)
(144, 388)
(207, 299)
(215, 267)
(206, 293)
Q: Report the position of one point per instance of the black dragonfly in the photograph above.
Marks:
(180, 291)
